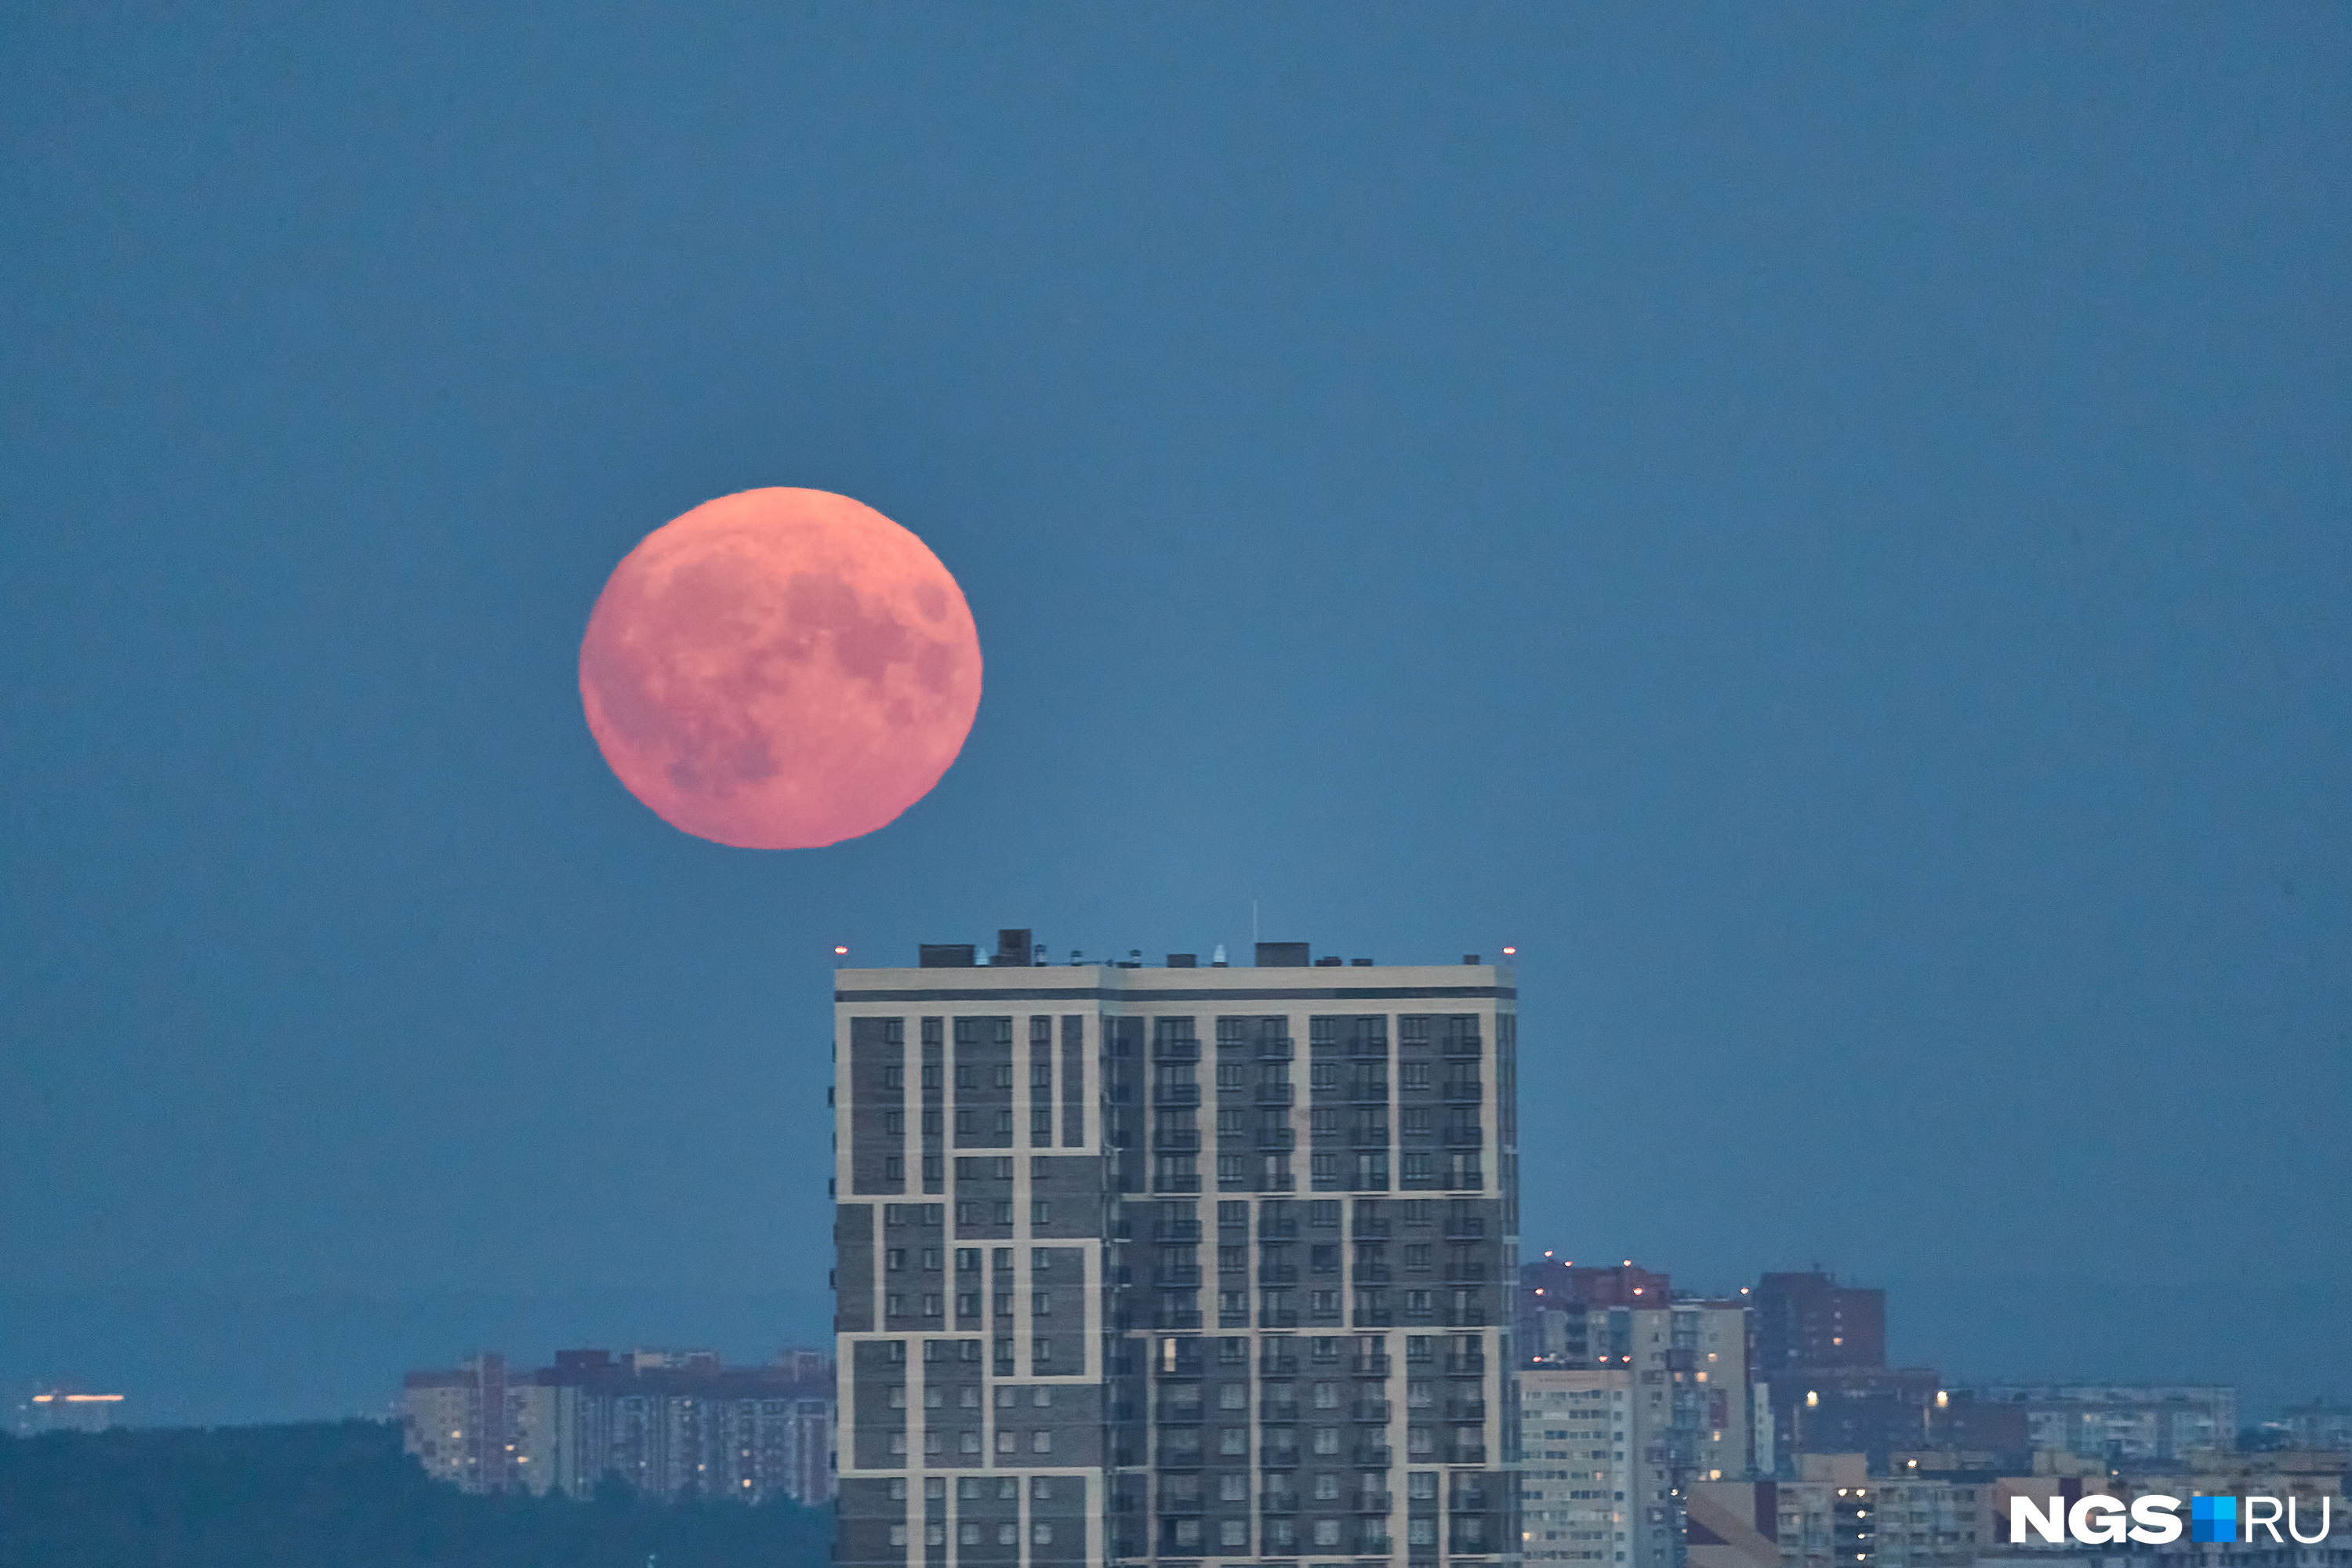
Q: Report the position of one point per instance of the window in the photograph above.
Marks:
(1042, 1442)
(898, 1442)
(1326, 1439)
(1417, 1256)
(894, 1305)
(1421, 1532)
(897, 1535)
(967, 1260)
(1322, 1121)
(894, 1259)
(932, 1256)
(1040, 1533)
(1229, 1076)
(930, 1075)
(1232, 1532)
(1008, 1534)
(1041, 1352)
(1233, 1396)
(1005, 1441)
(1324, 1075)
(1323, 1214)
(893, 1168)
(971, 1443)
(1041, 1303)
(894, 1123)
(964, 1123)
(1326, 1532)
(968, 1534)
(1417, 1075)
(1041, 1211)
(1327, 1486)
(894, 1078)
(1042, 1398)
(898, 1397)
(1421, 1485)
(935, 1534)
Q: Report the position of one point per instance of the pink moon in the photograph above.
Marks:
(780, 669)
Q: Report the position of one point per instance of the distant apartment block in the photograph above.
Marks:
(2320, 1425)
(1809, 1319)
(664, 1424)
(2124, 1424)
(1837, 1514)
(1610, 1449)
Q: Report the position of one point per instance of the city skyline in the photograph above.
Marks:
(1823, 530)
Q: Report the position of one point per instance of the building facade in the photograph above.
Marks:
(1809, 1319)
(2124, 1424)
(1175, 1264)
(1661, 1402)
(670, 1425)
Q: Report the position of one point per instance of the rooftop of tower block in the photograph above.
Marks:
(1016, 946)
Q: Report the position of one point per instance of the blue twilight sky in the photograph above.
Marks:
(1827, 527)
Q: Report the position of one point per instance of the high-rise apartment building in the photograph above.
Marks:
(1809, 1319)
(1613, 1440)
(1175, 1264)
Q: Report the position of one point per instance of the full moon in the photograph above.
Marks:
(780, 669)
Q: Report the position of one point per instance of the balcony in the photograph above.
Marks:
(1177, 1275)
(1283, 1411)
(1176, 1094)
(1466, 1273)
(1470, 1137)
(1373, 1093)
(1461, 1227)
(1278, 1366)
(1371, 1502)
(1277, 1051)
(1464, 1318)
(1274, 1094)
(1177, 1230)
(1377, 1364)
(1368, 1137)
(1176, 1320)
(1465, 1089)
(1375, 1318)
(1371, 1273)
(1179, 1415)
(1276, 1138)
(1284, 1458)
(1175, 1184)
(1283, 1501)
(1175, 1050)
(1372, 1412)
(1172, 1141)
(1270, 1319)
(1470, 1363)
(1375, 1457)
(1469, 1047)
(1364, 1229)
(1277, 1229)
(1466, 1410)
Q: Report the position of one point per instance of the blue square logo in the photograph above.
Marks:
(2212, 1519)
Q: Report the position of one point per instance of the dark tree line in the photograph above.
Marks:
(341, 1495)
